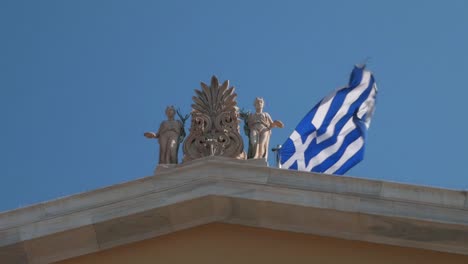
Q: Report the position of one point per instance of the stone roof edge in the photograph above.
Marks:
(237, 192)
(394, 191)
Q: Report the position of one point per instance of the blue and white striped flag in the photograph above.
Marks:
(330, 138)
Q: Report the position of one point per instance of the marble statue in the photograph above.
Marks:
(214, 129)
(258, 129)
(170, 134)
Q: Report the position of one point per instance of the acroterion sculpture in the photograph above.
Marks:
(170, 134)
(258, 128)
(214, 129)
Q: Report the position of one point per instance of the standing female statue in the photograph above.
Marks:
(259, 125)
(170, 134)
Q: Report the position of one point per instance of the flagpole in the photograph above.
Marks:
(277, 155)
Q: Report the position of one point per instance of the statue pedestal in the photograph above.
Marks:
(260, 162)
(165, 167)
(168, 167)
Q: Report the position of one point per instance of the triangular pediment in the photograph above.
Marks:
(217, 189)
(233, 244)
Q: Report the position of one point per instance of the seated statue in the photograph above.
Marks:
(170, 134)
(259, 125)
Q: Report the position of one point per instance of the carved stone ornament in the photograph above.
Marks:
(214, 128)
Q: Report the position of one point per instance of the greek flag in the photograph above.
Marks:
(330, 138)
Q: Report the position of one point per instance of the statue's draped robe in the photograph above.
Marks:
(260, 130)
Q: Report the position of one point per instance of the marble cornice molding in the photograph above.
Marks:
(217, 189)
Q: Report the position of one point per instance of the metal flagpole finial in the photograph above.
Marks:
(366, 61)
(277, 152)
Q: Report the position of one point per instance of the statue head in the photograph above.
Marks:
(170, 112)
(259, 103)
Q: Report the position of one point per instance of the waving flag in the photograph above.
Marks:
(330, 138)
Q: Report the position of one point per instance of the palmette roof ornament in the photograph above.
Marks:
(214, 128)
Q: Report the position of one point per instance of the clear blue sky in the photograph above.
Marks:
(80, 81)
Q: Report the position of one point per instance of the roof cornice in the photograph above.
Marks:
(217, 189)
